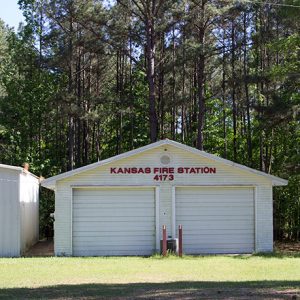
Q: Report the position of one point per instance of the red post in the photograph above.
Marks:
(180, 240)
(164, 241)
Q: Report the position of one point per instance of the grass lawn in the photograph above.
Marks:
(208, 277)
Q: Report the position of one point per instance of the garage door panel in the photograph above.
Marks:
(113, 222)
(217, 224)
(213, 213)
(207, 204)
(113, 191)
(216, 232)
(112, 227)
(217, 238)
(213, 190)
(114, 244)
(107, 198)
(140, 205)
(109, 252)
(112, 219)
(221, 249)
(114, 212)
(216, 220)
(87, 234)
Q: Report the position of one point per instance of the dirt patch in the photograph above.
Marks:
(290, 247)
(41, 249)
(237, 293)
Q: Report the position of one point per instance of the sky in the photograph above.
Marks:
(10, 13)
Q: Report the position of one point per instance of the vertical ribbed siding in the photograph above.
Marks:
(29, 210)
(165, 215)
(264, 234)
(9, 213)
(225, 175)
(63, 220)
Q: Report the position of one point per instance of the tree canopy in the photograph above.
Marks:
(85, 80)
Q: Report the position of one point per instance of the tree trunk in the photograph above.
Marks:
(150, 57)
(234, 105)
(224, 103)
(249, 135)
(200, 83)
(70, 163)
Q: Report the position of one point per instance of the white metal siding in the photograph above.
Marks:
(29, 205)
(19, 211)
(9, 213)
(216, 219)
(225, 175)
(119, 221)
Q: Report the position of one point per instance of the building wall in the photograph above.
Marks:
(225, 175)
(9, 213)
(29, 210)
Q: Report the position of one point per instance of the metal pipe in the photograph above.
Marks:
(164, 241)
(180, 240)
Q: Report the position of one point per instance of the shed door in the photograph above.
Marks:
(113, 221)
(216, 219)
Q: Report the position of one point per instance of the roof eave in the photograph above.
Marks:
(13, 168)
(48, 182)
(281, 182)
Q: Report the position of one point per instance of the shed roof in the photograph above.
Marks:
(11, 167)
(50, 182)
(19, 169)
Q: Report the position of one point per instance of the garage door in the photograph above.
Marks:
(216, 220)
(113, 221)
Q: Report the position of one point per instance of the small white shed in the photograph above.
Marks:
(19, 210)
(118, 206)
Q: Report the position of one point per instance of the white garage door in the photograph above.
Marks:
(216, 219)
(119, 221)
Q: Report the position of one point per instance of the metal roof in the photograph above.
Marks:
(19, 169)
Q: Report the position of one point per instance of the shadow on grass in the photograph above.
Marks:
(168, 290)
(280, 255)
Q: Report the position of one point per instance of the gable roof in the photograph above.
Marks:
(50, 182)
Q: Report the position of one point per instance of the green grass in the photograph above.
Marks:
(135, 276)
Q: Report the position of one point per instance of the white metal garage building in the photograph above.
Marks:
(117, 206)
(19, 210)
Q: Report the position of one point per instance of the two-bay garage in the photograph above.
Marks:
(118, 206)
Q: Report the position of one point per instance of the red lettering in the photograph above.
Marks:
(197, 170)
(141, 171)
(192, 171)
(120, 171)
(212, 170)
(206, 170)
(165, 170)
(156, 170)
(127, 170)
(180, 170)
